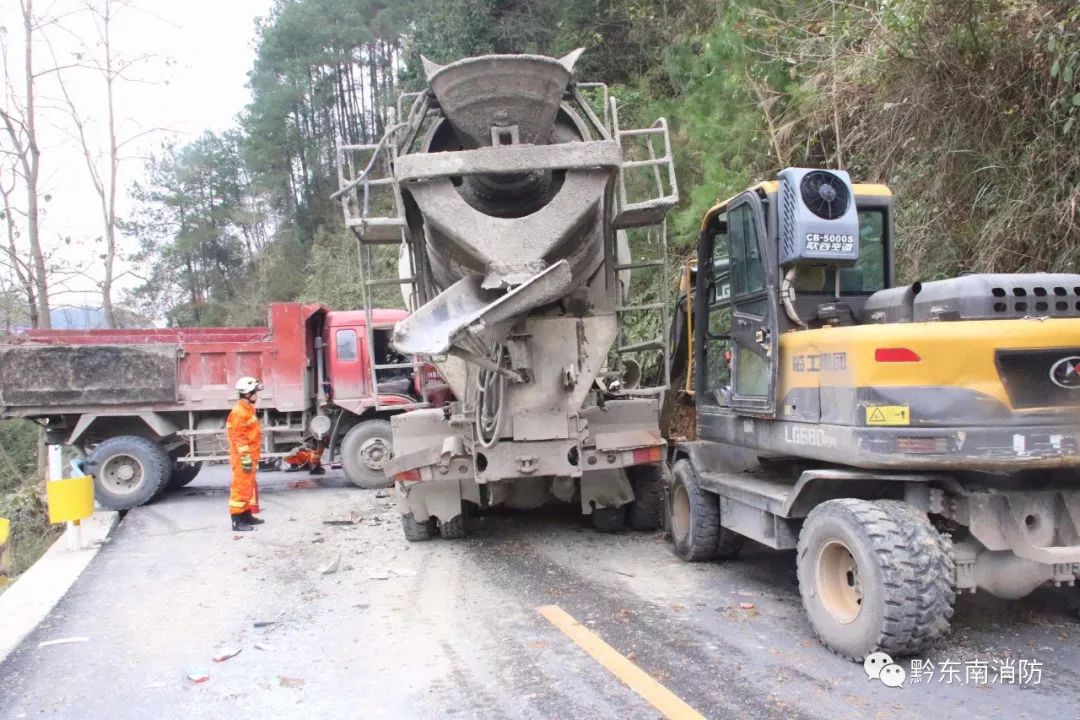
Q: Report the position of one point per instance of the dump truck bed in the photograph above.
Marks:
(63, 371)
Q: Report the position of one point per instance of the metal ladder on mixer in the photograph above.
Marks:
(380, 231)
(648, 215)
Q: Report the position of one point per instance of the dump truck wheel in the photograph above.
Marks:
(857, 578)
(366, 449)
(609, 519)
(645, 511)
(417, 531)
(128, 471)
(934, 570)
(694, 517)
(182, 474)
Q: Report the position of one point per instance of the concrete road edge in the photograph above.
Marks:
(36, 592)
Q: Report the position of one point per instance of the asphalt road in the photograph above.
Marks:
(451, 629)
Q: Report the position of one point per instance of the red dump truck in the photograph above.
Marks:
(147, 407)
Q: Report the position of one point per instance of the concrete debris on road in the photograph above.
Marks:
(63, 641)
(383, 493)
(378, 575)
(223, 655)
(262, 646)
(333, 566)
(351, 519)
(290, 682)
(198, 676)
(746, 606)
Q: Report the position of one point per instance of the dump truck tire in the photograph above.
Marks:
(364, 453)
(182, 474)
(935, 570)
(417, 531)
(859, 581)
(645, 511)
(129, 471)
(694, 517)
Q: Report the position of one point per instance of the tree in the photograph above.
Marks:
(20, 123)
(109, 67)
(200, 226)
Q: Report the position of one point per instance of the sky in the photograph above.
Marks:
(194, 79)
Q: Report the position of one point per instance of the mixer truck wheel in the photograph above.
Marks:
(366, 449)
(417, 531)
(457, 527)
(609, 519)
(646, 481)
(128, 471)
(863, 579)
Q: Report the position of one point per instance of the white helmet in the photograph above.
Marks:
(247, 385)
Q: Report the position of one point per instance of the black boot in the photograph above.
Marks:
(252, 520)
(240, 523)
(317, 470)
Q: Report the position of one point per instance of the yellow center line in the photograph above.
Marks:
(620, 666)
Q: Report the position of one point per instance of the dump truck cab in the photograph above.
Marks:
(932, 427)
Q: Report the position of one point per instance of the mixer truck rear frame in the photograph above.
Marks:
(516, 208)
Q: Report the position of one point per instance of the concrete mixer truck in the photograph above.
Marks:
(526, 231)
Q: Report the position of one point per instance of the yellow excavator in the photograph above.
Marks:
(908, 442)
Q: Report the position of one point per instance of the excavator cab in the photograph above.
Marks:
(745, 298)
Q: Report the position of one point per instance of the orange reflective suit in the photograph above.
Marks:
(304, 455)
(245, 438)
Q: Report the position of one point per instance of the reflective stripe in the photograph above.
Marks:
(244, 449)
(237, 504)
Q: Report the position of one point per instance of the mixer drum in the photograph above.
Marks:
(503, 244)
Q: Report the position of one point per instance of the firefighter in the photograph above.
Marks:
(245, 438)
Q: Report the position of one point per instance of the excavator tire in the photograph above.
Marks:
(864, 578)
(932, 557)
(694, 516)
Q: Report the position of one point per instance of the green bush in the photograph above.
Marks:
(21, 499)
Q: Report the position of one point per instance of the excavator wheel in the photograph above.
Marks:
(932, 557)
(694, 516)
(868, 580)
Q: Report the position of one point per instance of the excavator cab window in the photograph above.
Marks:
(718, 339)
(737, 337)
(869, 273)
